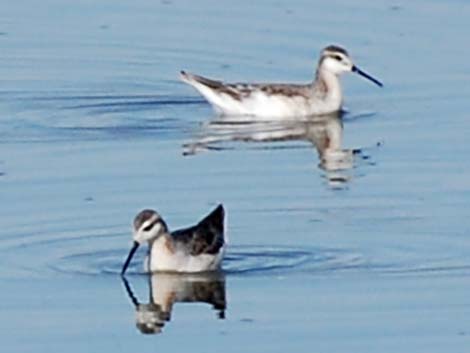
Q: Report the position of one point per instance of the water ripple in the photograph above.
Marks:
(102, 251)
(46, 117)
(96, 253)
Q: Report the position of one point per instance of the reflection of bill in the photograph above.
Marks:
(325, 132)
(167, 289)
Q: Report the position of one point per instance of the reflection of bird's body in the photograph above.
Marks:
(325, 132)
(195, 249)
(322, 96)
(167, 289)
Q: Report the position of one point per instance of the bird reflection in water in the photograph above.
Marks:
(166, 289)
(324, 132)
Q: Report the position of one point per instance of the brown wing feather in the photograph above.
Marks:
(207, 237)
(242, 90)
(203, 80)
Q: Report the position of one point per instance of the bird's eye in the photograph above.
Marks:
(149, 227)
(337, 57)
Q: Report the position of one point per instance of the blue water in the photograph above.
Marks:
(95, 125)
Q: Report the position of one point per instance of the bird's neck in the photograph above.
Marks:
(328, 87)
(163, 243)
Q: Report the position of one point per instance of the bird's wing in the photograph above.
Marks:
(207, 237)
(242, 90)
(190, 78)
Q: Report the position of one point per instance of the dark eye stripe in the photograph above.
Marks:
(150, 226)
(337, 57)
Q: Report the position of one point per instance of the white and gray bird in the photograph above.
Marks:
(199, 248)
(273, 101)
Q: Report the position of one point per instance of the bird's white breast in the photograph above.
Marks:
(165, 257)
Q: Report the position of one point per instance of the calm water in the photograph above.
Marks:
(367, 252)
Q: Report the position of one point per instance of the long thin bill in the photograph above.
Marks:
(366, 75)
(135, 245)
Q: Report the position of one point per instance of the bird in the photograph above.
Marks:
(199, 248)
(273, 101)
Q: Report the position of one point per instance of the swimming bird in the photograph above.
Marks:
(199, 248)
(322, 96)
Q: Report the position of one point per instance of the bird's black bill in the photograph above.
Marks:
(135, 245)
(366, 75)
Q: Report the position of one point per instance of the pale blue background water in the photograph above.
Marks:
(92, 123)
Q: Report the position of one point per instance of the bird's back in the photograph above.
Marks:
(206, 237)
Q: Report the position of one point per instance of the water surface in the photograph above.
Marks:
(370, 256)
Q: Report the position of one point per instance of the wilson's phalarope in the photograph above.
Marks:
(322, 96)
(195, 249)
